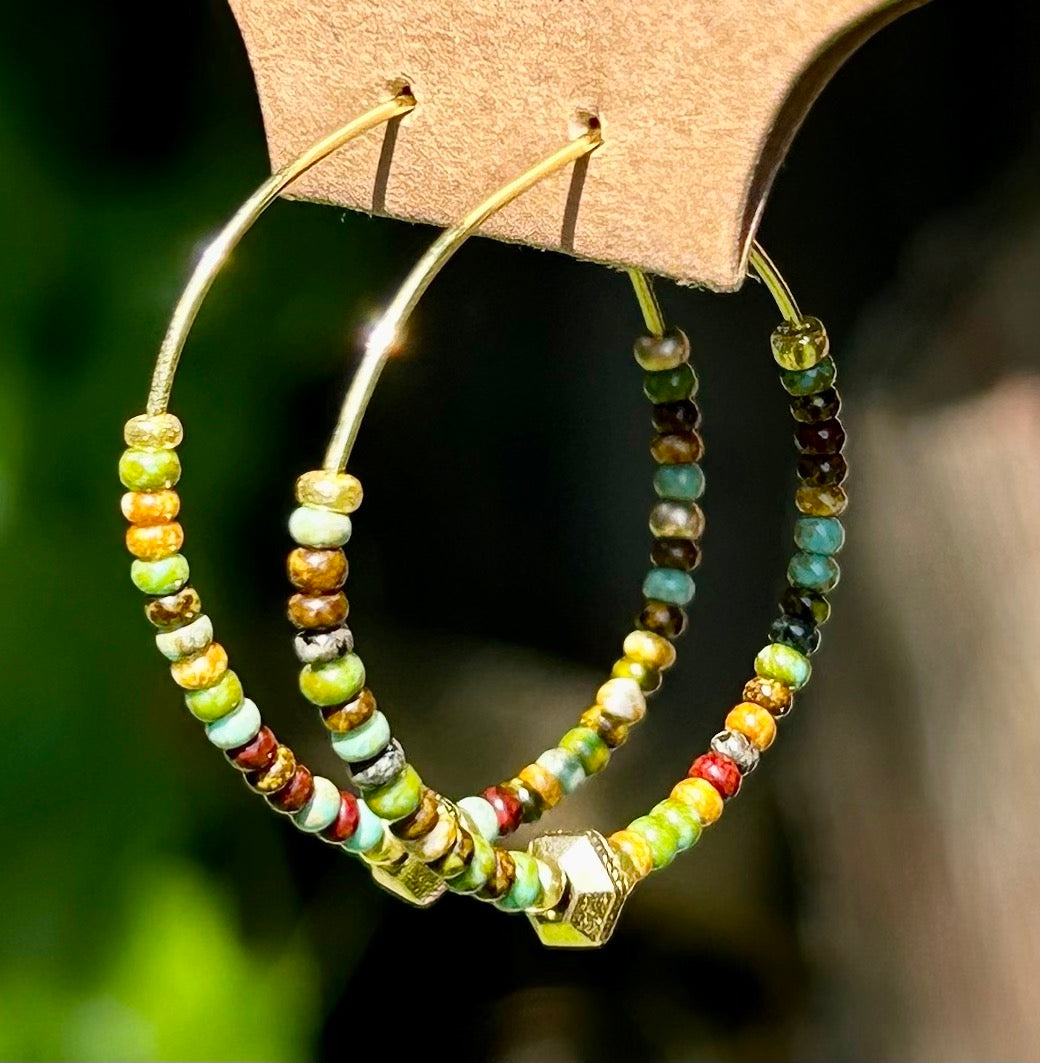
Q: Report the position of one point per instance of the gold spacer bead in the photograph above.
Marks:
(338, 491)
(161, 430)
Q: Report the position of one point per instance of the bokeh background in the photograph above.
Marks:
(874, 894)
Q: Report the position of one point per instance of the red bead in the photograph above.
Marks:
(507, 807)
(343, 826)
(257, 754)
(718, 769)
(296, 792)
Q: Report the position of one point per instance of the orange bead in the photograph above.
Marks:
(700, 796)
(150, 507)
(202, 670)
(153, 542)
(543, 783)
(635, 851)
(317, 571)
(754, 722)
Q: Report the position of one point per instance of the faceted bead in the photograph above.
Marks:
(238, 727)
(185, 641)
(295, 793)
(683, 554)
(822, 470)
(552, 883)
(660, 835)
(677, 448)
(526, 884)
(681, 819)
(596, 719)
(321, 808)
(507, 808)
(201, 670)
(256, 754)
(318, 647)
(649, 649)
(153, 542)
(173, 610)
(824, 437)
(500, 879)
(755, 723)
(677, 520)
(662, 618)
(333, 681)
(482, 815)
(799, 344)
(669, 585)
(317, 571)
(317, 612)
(216, 701)
(670, 385)
(669, 417)
(150, 507)
(422, 820)
(440, 842)
(802, 635)
(379, 770)
(809, 381)
(160, 578)
(635, 851)
(655, 353)
(342, 828)
(738, 747)
(479, 869)
(153, 430)
(342, 718)
(822, 406)
(817, 572)
(771, 694)
(364, 741)
(320, 529)
(399, 798)
(564, 766)
(338, 491)
(777, 661)
(719, 770)
(148, 469)
(806, 605)
(700, 797)
(369, 831)
(821, 501)
(277, 774)
(543, 783)
(588, 747)
(819, 535)
(683, 483)
(622, 699)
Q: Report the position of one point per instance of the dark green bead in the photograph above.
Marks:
(809, 381)
(796, 632)
(684, 416)
(670, 385)
(822, 470)
(806, 605)
(810, 409)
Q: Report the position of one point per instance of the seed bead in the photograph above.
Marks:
(662, 618)
(277, 774)
(649, 649)
(677, 448)
(660, 835)
(238, 727)
(148, 469)
(318, 612)
(216, 701)
(635, 851)
(153, 542)
(343, 718)
(771, 694)
(670, 385)
(683, 554)
(399, 798)
(343, 827)
(800, 344)
(721, 771)
(588, 747)
(821, 501)
(546, 786)
(701, 797)
(319, 647)
(150, 507)
(669, 585)
(162, 430)
(317, 571)
(794, 631)
(656, 353)
(800, 382)
(160, 578)
(596, 719)
(777, 661)
(805, 604)
(296, 792)
(184, 641)
(338, 491)
(171, 611)
(822, 470)
(668, 417)
(754, 722)
(738, 747)
(201, 670)
(681, 818)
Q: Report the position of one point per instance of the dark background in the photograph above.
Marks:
(151, 909)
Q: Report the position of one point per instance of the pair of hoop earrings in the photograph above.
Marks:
(416, 842)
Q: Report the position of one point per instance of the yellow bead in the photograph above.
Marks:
(635, 850)
(754, 722)
(201, 671)
(649, 649)
(153, 542)
(543, 783)
(338, 491)
(150, 507)
(160, 430)
(700, 796)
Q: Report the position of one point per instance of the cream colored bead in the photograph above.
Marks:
(161, 430)
(337, 491)
(649, 649)
(621, 700)
(184, 641)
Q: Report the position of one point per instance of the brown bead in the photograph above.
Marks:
(821, 501)
(682, 416)
(342, 718)
(662, 618)
(257, 754)
(458, 859)
(677, 448)
(202, 669)
(500, 881)
(320, 611)
(277, 775)
(822, 470)
(821, 406)
(684, 554)
(614, 734)
(174, 610)
(296, 792)
(421, 821)
(770, 694)
(150, 507)
(824, 437)
(317, 571)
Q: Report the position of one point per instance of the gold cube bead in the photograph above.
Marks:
(338, 491)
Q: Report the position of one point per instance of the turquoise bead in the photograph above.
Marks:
(482, 816)
(783, 663)
(321, 809)
(564, 766)
(815, 572)
(369, 832)
(241, 725)
(809, 381)
(819, 535)
(320, 529)
(160, 577)
(668, 585)
(366, 740)
(332, 682)
(682, 819)
(527, 886)
(680, 482)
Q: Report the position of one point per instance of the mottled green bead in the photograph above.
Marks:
(149, 469)
(819, 535)
(480, 869)
(217, 701)
(588, 747)
(670, 385)
(682, 819)
(683, 483)
(668, 585)
(160, 577)
(801, 344)
(318, 528)
(817, 572)
(660, 835)
(809, 381)
(526, 887)
(399, 798)
(648, 678)
(332, 682)
(787, 665)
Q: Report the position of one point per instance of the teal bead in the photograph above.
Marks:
(682, 819)
(670, 385)
(668, 585)
(815, 572)
(564, 766)
(483, 817)
(369, 832)
(321, 809)
(679, 482)
(527, 885)
(660, 835)
(320, 529)
(241, 725)
(819, 535)
(160, 577)
(809, 381)
(149, 469)
(366, 740)
(786, 665)
(332, 682)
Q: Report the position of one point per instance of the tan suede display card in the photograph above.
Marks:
(698, 101)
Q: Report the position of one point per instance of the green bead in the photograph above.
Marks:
(480, 867)
(588, 747)
(787, 665)
(149, 469)
(668, 585)
(215, 702)
(684, 483)
(816, 572)
(318, 528)
(649, 679)
(809, 381)
(660, 835)
(333, 682)
(800, 345)
(681, 818)
(564, 766)
(160, 577)
(399, 798)
(670, 385)
(819, 535)
(526, 887)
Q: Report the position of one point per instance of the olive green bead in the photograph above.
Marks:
(399, 798)
(215, 702)
(681, 818)
(670, 385)
(149, 469)
(649, 679)
(333, 682)
(588, 747)
(660, 835)
(783, 663)
(160, 577)
(656, 353)
(801, 344)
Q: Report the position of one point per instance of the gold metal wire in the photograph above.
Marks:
(218, 251)
(648, 304)
(764, 266)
